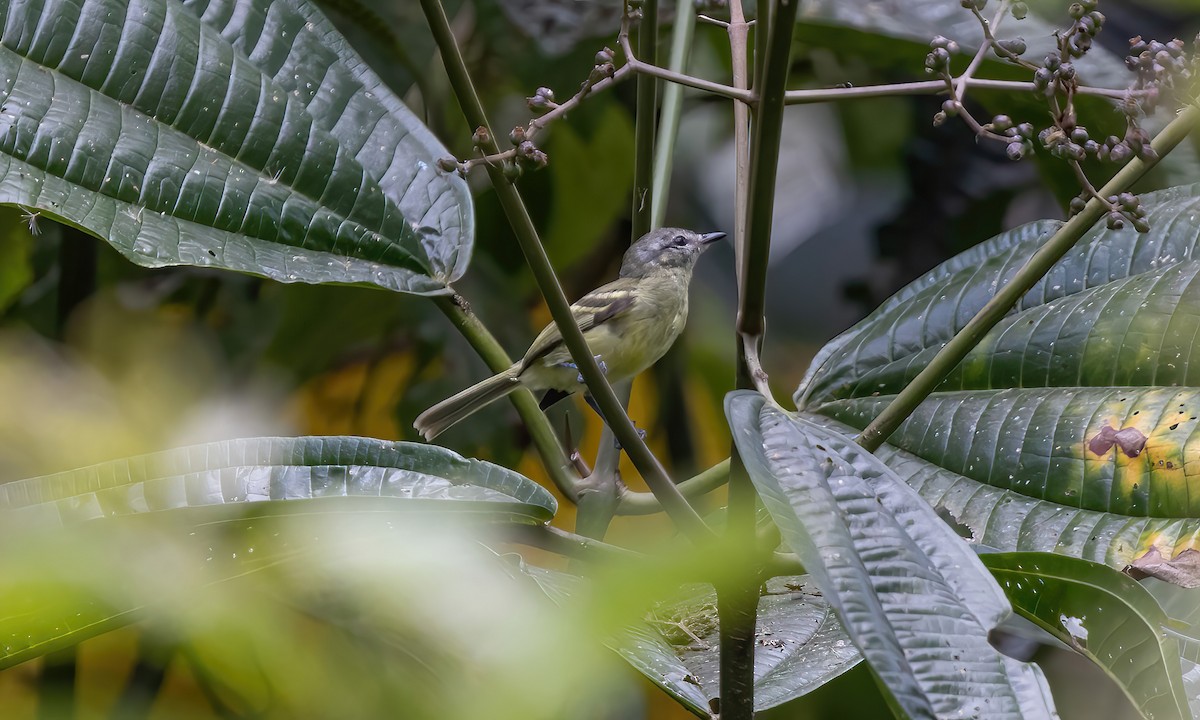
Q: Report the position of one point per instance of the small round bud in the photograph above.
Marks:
(1092, 148)
(526, 149)
(973, 4)
(1015, 150)
(1020, 10)
(517, 136)
(512, 171)
(447, 164)
(1076, 11)
(604, 56)
(481, 137)
(939, 41)
(542, 99)
(1128, 201)
(1016, 46)
(1088, 5)
(1079, 135)
(952, 108)
(1120, 153)
(1097, 19)
(1042, 78)
(1148, 153)
(1025, 130)
(1141, 225)
(1114, 221)
(1002, 123)
(1077, 205)
(939, 118)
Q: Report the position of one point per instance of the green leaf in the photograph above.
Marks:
(220, 511)
(240, 134)
(800, 643)
(914, 597)
(1099, 284)
(1056, 432)
(1102, 614)
(387, 475)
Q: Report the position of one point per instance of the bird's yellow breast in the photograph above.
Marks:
(631, 342)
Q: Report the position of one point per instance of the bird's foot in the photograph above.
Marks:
(573, 366)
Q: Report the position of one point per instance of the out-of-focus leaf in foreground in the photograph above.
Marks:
(229, 481)
(331, 611)
(911, 593)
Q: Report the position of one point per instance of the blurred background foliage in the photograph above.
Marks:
(100, 359)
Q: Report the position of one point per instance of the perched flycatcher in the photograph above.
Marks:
(629, 324)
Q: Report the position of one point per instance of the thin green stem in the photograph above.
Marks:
(684, 515)
(642, 503)
(1038, 265)
(737, 602)
(672, 105)
(644, 121)
(558, 465)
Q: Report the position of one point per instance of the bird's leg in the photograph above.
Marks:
(573, 366)
(591, 401)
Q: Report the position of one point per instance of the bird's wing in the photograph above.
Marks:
(598, 307)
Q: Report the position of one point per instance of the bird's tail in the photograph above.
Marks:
(440, 417)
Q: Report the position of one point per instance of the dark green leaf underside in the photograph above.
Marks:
(858, 529)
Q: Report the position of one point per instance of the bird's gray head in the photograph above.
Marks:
(665, 249)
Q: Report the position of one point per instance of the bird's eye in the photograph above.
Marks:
(679, 241)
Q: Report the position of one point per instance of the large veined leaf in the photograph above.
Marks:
(800, 644)
(221, 511)
(240, 134)
(398, 475)
(1104, 615)
(915, 599)
(1070, 427)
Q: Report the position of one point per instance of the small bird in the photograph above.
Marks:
(629, 324)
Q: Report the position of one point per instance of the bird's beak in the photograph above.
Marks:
(710, 238)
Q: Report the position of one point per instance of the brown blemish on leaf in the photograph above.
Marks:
(1129, 440)
(1182, 570)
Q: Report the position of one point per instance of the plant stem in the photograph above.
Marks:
(960, 84)
(1037, 266)
(565, 543)
(643, 503)
(643, 131)
(672, 104)
(558, 466)
(737, 601)
(738, 32)
(684, 515)
(925, 87)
